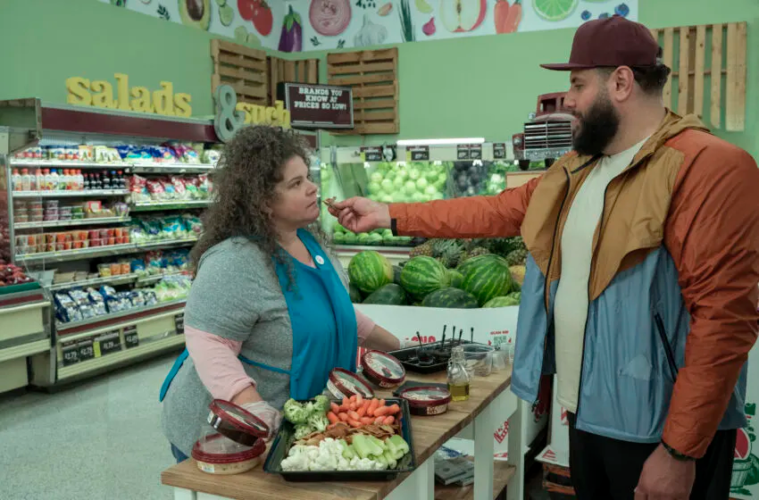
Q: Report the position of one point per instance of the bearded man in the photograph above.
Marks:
(641, 284)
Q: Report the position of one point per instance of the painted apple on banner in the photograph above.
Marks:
(337, 24)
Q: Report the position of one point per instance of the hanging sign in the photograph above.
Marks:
(318, 106)
(99, 93)
(231, 116)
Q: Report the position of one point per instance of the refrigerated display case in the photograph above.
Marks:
(436, 172)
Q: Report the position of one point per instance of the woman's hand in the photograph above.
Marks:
(381, 340)
(270, 416)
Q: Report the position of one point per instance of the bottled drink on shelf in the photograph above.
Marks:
(62, 180)
(122, 180)
(52, 180)
(86, 182)
(79, 180)
(16, 180)
(43, 179)
(26, 181)
(106, 180)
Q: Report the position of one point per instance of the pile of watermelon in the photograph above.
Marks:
(482, 281)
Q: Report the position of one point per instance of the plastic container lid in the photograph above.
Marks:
(236, 423)
(384, 368)
(425, 396)
(215, 449)
(348, 384)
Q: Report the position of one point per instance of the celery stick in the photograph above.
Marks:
(362, 446)
(392, 463)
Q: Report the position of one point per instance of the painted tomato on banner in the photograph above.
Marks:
(259, 12)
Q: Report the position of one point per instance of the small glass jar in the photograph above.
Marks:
(458, 376)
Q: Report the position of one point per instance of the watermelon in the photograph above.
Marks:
(456, 278)
(370, 271)
(388, 295)
(450, 298)
(487, 278)
(423, 275)
(397, 275)
(501, 302)
(355, 293)
(468, 264)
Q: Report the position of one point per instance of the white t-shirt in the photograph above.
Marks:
(571, 303)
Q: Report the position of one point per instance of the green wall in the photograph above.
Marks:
(478, 86)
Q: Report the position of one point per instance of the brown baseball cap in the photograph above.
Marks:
(610, 42)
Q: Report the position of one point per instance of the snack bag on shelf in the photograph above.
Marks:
(149, 297)
(211, 156)
(104, 154)
(155, 262)
(97, 302)
(193, 224)
(180, 190)
(137, 234)
(169, 189)
(192, 185)
(120, 209)
(139, 188)
(138, 267)
(173, 228)
(83, 303)
(86, 153)
(205, 186)
(184, 152)
(161, 154)
(156, 190)
(138, 300)
(66, 310)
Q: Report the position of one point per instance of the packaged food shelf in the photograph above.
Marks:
(149, 280)
(173, 168)
(168, 205)
(86, 193)
(103, 251)
(67, 164)
(62, 328)
(106, 280)
(72, 222)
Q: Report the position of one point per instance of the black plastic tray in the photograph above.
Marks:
(404, 355)
(285, 438)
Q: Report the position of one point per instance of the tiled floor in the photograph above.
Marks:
(97, 440)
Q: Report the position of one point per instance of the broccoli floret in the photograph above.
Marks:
(302, 431)
(322, 403)
(295, 412)
(318, 421)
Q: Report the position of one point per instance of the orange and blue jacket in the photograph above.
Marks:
(673, 283)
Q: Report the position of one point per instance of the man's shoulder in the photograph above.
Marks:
(700, 144)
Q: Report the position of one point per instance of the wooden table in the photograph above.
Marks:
(474, 417)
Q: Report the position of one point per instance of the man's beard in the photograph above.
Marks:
(597, 128)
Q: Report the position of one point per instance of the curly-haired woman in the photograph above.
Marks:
(268, 316)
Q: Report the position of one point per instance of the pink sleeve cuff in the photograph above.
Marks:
(216, 361)
(365, 326)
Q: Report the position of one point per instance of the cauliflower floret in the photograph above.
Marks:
(298, 462)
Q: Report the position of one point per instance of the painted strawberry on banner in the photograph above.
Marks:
(746, 463)
(259, 12)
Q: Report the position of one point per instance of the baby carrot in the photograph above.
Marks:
(343, 417)
(346, 402)
(389, 420)
(353, 415)
(372, 407)
(352, 399)
(361, 412)
(367, 420)
(354, 423)
(332, 418)
(381, 411)
(359, 400)
(352, 406)
(379, 420)
(391, 410)
(335, 408)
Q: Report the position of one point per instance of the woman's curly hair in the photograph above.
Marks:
(244, 186)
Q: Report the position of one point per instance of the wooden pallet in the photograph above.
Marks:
(373, 75)
(242, 68)
(701, 57)
(502, 474)
(280, 70)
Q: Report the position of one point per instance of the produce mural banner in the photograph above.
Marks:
(305, 25)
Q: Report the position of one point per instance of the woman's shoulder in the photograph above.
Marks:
(235, 255)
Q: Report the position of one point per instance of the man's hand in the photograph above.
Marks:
(665, 478)
(361, 214)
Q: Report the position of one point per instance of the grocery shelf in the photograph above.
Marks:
(66, 164)
(92, 252)
(86, 193)
(168, 168)
(72, 222)
(62, 327)
(377, 248)
(118, 279)
(106, 280)
(503, 473)
(169, 205)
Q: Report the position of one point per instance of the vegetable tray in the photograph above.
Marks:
(285, 439)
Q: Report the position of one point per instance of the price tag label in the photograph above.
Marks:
(70, 354)
(108, 343)
(475, 151)
(131, 339)
(499, 150)
(371, 153)
(85, 350)
(179, 323)
(418, 153)
(462, 152)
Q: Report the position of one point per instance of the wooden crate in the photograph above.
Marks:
(242, 68)
(280, 70)
(685, 51)
(373, 75)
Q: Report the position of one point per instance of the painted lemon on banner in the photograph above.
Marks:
(459, 16)
(554, 10)
(195, 13)
(423, 7)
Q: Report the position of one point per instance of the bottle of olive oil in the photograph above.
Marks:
(458, 377)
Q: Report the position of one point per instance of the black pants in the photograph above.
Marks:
(607, 469)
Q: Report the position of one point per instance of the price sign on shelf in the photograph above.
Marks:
(499, 150)
(85, 350)
(107, 343)
(70, 354)
(179, 323)
(418, 153)
(131, 339)
(371, 153)
(462, 152)
(475, 151)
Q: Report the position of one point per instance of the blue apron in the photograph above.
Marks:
(323, 324)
